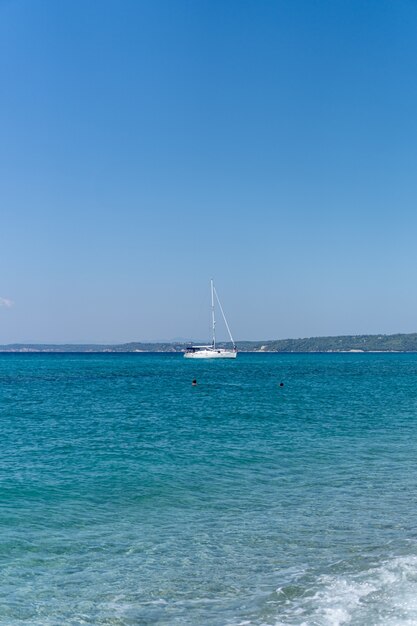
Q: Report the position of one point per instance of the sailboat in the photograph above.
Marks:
(212, 351)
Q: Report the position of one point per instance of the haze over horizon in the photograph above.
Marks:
(149, 146)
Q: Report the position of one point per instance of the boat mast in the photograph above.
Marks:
(212, 314)
(224, 317)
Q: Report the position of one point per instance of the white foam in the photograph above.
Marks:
(382, 596)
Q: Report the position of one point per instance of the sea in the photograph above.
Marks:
(128, 496)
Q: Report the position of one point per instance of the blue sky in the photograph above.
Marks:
(147, 146)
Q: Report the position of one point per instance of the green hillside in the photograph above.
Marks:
(345, 343)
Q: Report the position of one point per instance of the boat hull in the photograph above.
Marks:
(211, 354)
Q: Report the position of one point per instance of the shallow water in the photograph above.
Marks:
(127, 496)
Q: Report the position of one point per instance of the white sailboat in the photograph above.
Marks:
(212, 351)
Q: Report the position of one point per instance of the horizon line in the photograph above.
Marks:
(183, 342)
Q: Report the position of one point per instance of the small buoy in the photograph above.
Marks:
(281, 384)
(194, 383)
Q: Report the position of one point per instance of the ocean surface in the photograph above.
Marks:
(130, 497)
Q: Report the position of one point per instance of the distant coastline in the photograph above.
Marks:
(341, 343)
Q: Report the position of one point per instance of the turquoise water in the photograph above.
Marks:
(127, 496)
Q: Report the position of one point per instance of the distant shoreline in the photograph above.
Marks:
(397, 343)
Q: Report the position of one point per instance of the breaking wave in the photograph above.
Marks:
(385, 595)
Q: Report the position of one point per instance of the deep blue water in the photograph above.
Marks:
(127, 496)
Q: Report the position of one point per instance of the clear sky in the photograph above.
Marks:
(147, 146)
